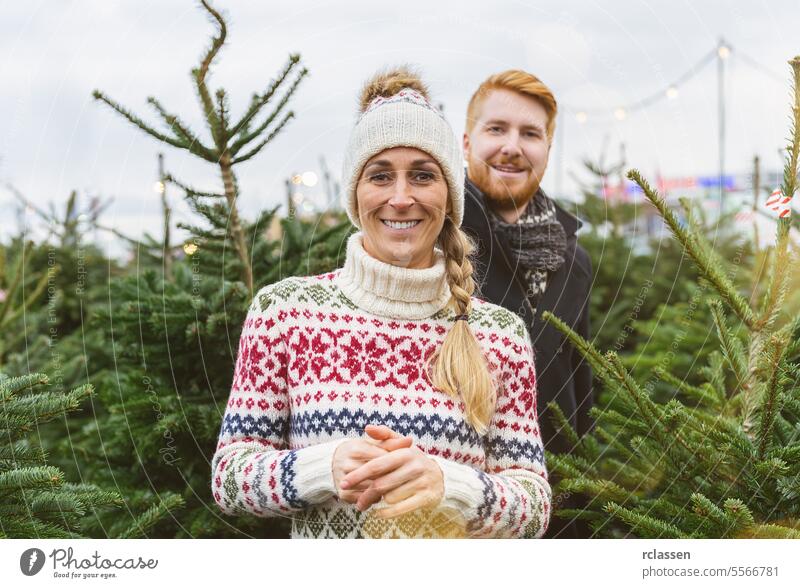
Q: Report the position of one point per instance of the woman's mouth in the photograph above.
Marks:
(401, 225)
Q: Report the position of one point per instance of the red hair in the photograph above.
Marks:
(518, 81)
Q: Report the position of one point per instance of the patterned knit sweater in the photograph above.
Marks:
(321, 357)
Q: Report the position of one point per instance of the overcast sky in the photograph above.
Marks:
(595, 56)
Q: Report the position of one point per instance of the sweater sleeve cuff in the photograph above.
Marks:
(463, 489)
(315, 471)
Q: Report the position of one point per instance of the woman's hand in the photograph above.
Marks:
(353, 453)
(405, 478)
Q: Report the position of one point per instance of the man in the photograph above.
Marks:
(528, 259)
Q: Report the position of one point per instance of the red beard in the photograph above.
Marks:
(503, 196)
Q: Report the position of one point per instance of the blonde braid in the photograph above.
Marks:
(459, 366)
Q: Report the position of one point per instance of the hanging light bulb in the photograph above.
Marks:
(309, 179)
(672, 92)
(159, 187)
(620, 113)
(723, 51)
(581, 117)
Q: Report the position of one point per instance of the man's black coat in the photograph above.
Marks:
(561, 373)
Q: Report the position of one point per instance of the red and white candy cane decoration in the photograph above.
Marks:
(778, 204)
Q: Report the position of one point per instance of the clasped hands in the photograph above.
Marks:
(386, 465)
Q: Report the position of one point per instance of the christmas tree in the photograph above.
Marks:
(37, 499)
(640, 277)
(175, 332)
(231, 141)
(721, 457)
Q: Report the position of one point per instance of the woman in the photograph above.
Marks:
(382, 399)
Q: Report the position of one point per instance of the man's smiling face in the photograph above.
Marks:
(507, 148)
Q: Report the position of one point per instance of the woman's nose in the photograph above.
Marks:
(402, 195)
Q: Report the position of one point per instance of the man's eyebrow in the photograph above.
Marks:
(536, 126)
(499, 121)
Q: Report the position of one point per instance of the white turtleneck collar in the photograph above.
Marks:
(390, 290)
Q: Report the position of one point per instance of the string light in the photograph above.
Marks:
(722, 51)
(309, 179)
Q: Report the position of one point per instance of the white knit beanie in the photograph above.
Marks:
(396, 112)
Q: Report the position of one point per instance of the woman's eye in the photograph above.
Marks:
(424, 176)
(381, 177)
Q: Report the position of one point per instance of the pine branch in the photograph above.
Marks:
(41, 477)
(614, 441)
(222, 111)
(702, 260)
(599, 490)
(731, 346)
(12, 386)
(21, 453)
(269, 138)
(15, 283)
(258, 101)
(151, 517)
(132, 118)
(195, 146)
(246, 138)
(646, 408)
(574, 514)
(769, 531)
(721, 523)
(561, 464)
(92, 496)
(645, 525)
(44, 406)
(201, 72)
(739, 511)
(189, 190)
(562, 425)
(770, 400)
(38, 289)
(703, 395)
(776, 288)
(599, 364)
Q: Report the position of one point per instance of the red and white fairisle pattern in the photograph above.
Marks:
(313, 369)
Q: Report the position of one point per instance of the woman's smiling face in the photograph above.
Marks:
(401, 198)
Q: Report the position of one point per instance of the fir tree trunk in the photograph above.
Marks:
(229, 182)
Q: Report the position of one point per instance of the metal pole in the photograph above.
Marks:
(722, 53)
(289, 200)
(162, 179)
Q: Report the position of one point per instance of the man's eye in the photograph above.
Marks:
(495, 129)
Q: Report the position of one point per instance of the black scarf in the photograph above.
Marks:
(537, 242)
